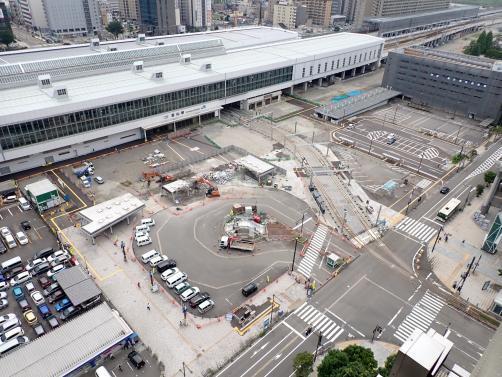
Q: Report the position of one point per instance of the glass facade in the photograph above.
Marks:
(21, 134)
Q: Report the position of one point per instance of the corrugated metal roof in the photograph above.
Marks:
(64, 349)
(77, 285)
(41, 187)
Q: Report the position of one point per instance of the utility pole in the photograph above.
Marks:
(319, 340)
(477, 263)
(420, 164)
(395, 113)
(409, 201)
(437, 239)
(296, 242)
(344, 220)
(272, 309)
(371, 143)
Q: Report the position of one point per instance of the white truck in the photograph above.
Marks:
(227, 242)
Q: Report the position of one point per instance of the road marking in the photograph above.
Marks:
(289, 354)
(8, 209)
(261, 358)
(395, 316)
(385, 289)
(447, 334)
(180, 156)
(416, 290)
(316, 242)
(304, 222)
(292, 329)
(416, 229)
(261, 349)
(319, 322)
(347, 291)
(193, 149)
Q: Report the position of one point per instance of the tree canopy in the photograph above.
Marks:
(484, 45)
(115, 27)
(7, 37)
(353, 361)
(303, 364)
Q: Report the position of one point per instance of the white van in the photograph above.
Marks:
(149, 255)
(24, 204)
(13, 343)
(10, 241)
(9, 325)
(175, 279)
(11, 263)
(143, 240)
(9, 199)
(12, 333)
(148, 222)
(142, 228)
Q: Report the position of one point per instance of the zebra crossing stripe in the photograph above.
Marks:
(303, 315)
(300, 308)
(319, 321)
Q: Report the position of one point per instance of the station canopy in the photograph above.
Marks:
(106, 214)
(256, 166)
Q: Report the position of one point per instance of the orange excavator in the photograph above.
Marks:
(150, 175)
(212, 190)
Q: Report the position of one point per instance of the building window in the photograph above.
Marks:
(318, 68)
(350, 59)
(338, 64)
(61, 92)
(325, 66)
(365, 54)
(311, 70)
(332, 64)
(343, 64)
(303, 72)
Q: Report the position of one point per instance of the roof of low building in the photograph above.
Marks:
(77, 285)
(67, 347)
(255, 165)
(41, 187)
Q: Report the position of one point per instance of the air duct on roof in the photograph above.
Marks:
(137, 67)
(59, 91)
(94, 43)
(44, 81)
(157, 76)
(141, 39)
(186, 59)
(206, 67)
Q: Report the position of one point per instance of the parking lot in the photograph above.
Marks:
(192, 240)
(39, 238)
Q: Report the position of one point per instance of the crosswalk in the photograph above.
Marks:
(319, 322)
(422, 315)
(430, 153)
(416, 229)
(423, 184)
(315, 246)
(487, 164)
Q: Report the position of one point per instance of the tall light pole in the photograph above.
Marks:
(272, 310)
(420, 164)
(344, 219)
(437, 239)
(371, 143)
(296, 242)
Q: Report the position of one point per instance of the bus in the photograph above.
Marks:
(448, 210)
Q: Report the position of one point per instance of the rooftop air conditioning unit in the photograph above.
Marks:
(160, 43)
(157, 76)
(137, 67)
(141, 38)
(112, 48)
(44, 81)
(94, 43)
(59, 91)
(185, 59)
(206, 67)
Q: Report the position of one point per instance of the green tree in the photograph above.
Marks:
(482, 41)
(115, 27)
(389, 362)
(303, 364)
(488, 42)
(363, 355)
(490, 176)
(353, 361)
(332, 362)
(7, 37)
(479, 190)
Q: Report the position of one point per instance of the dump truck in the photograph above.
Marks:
(227, 242)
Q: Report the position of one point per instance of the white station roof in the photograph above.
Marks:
(255, 165)
(99, 89)
(67, 347)
(176, 186)
(106, 214)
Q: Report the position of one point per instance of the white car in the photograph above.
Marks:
(4, 285)
(12, 333)
(3, 295)
(99, 180)
(55, 255)
(168, 273)
(37, 297)
(54, 270)
(189, 293)
(156, 260)
(140, 234)
(60, 259)
(22, 238)
(7, 317)
(34, 263)
(20, 278)
(29, 287)
(5, 231)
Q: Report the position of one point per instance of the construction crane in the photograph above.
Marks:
(212, 190)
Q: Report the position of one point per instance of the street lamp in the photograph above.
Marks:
(420, 164)
(296, 242)
(437, 239)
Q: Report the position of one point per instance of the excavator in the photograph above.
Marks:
(150, 175)
(212, 190)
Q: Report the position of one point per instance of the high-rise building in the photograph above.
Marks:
(285, 14)
(4, 17)
(318, 11)
(72, 17)
(128, 9)
(196, 14)
(148, 20)
(168, 13)
(33, 14)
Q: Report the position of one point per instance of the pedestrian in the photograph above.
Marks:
(446, 238)
(463, 241)
(148, 306)
(120, 367)
(139, 285)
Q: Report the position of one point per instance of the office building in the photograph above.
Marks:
(33, 14)
(148, 20)
(318, 11)
(284, 14)
(72, 17)
(169, 17)
(92, 98)
(128, 9)
(464, 85)
(195, 14)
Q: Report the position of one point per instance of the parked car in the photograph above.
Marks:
(69, 312)
(44, 310)
(39, 329)
(3, 295)
(50, 289)
(62, 305)
(53, 321)
(54, 270)
(17, 292)
(56, 254)
(16, 270)
(25, 225)
(2, 277)
(20, 278)
(136, 359)
(3, 303)
(181, 287)
(3, 248)
(168, 273)
(24, 305)
(30, 317)
(205, 306)
(5, 231)
(55, 296)
(22, 238)
(10, 334)
(44, 281)
(35, 262)
(99, 180)
(189, 293)
(141, 234)
(61, 259)
(444, 190)
(7, 317)
(29, 287)
(4, 285)
(156, 260)
(37, 298)
(199, 299)
(41, 268)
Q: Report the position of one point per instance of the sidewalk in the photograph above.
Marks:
(206, 343)
(450, 259)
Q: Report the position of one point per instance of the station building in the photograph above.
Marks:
(65, 102)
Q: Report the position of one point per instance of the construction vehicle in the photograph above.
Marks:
(87, 168)
(227, 242)
(212, 190)
(150, 175)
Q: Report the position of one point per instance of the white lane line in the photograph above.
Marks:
(300, 308)
(395, 315)
(299, 225)
(293, 329)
